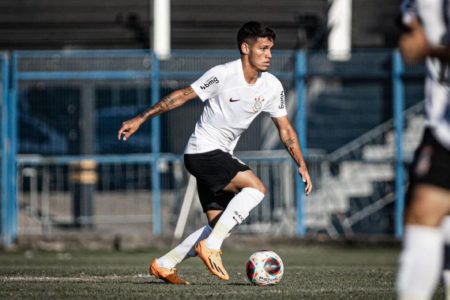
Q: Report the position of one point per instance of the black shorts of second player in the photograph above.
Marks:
(431, 164)
(213, 171)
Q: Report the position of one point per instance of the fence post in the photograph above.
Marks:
(11, 143)
(156, 148)
(13, 161)
(5, 240)
(399, 99)
(301, 127)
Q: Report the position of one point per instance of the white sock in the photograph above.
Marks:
(235, 213)
(445, 226)
(446, 273)
(184, 250)
(420, 262)
(446, 276)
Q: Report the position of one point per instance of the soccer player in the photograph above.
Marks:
(234, 94)
(428, 197)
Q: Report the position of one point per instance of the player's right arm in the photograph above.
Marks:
(420, 41)
(414, 45)
(169, 102)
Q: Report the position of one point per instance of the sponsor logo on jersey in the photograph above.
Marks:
(282, 100)
(208, 82)
(234, 100)
(258, 104)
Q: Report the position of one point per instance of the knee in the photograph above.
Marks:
(257, 186)
(260, 187)
(421, 211)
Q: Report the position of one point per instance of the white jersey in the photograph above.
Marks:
(435, 18)
(231, 104)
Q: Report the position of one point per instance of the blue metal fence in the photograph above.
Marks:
(56, 66)
(4, 152)
(33, 71)
(398, 107)
(300, 126)
(156, 146)
(8, 222)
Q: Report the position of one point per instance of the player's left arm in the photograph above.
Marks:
(169, 102)
(290, 140)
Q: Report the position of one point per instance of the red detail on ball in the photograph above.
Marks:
(272, 266)
(250, 269)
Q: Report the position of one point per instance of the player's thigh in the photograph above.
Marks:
(214, 169)
(245, 179)
(212, 201)
(428, 205)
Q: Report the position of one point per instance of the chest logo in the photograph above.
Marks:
(258, 104)
(234, 100)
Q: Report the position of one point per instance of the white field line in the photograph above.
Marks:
(81, 278)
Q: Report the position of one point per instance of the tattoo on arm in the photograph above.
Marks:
(162, 106)
(144, 115)
(166, 102)
(187, 91)
(169, 102)
(290, 145)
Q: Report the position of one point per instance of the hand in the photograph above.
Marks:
(303, 171)
(129, 127)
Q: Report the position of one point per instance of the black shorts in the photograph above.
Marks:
(213, 171)
(431, 164)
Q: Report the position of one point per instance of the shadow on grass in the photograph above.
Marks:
(192, 283)
(152, 282)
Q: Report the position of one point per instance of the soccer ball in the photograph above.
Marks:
(264, 268)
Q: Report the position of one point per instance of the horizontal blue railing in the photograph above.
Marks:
(83, 53)
(84, 75)
(33, 159)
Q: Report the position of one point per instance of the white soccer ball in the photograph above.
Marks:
(265, 268)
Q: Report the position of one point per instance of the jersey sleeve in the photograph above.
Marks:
(277, 104)
(208, 85)
(409, 11)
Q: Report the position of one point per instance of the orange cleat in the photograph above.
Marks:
(168, 275)
(212, 260)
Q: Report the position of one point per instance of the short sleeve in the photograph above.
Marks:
(208, 85)
(277, 104)
(409, 11)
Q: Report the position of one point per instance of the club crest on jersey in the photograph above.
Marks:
(209, 82)
(258, 104)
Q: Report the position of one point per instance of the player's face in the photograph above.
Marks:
(260, 54)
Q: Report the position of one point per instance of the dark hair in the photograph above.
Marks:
(251, 31)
